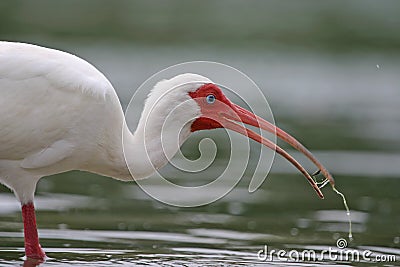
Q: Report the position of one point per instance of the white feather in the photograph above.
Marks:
(58, 151)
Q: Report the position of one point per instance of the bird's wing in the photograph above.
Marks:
(44, 94)
(58, 151)
(25, 62)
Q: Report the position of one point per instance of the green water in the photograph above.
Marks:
(106, 222)
(330, 103)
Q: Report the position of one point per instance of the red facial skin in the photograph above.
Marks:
(223, 114)
(208, 110)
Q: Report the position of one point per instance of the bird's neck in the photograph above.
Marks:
(161, 130)
(136, 156)
(146, 151)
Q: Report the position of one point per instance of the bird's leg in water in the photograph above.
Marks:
(32, 246)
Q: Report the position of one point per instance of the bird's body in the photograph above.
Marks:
(59, 113)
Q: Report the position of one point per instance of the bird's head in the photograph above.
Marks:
(190, 102)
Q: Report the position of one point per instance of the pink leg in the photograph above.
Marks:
(32, 246)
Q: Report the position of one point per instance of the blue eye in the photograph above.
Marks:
(210, 99)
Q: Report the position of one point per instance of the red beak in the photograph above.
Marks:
(224, 113)
(245, 116)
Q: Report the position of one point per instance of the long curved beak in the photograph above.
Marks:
(245, 116)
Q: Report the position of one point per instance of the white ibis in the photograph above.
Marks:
(59, 113)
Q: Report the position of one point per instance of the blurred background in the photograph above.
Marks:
(331, 73)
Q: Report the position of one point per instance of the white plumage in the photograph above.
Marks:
(59, 113)
(56, 110)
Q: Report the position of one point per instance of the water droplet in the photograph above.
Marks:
(303, 223)
(396, 240)
(377, 66)
(235, 208)
(294, 231)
